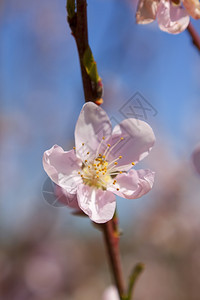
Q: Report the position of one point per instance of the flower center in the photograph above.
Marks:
(96, 173)
(100, 171)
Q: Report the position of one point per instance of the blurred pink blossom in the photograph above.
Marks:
(171, 16)
(111, 293)
(100, 165)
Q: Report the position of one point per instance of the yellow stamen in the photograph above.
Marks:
(133, 163)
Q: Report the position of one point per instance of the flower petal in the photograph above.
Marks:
(146, 11)
(99, 205)
(65, 198)
(193, 8)
(62, 167)
(196, 158)
(138, 139)
(93, 124)
(133, 184)
(172, 18)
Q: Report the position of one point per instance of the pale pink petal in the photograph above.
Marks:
(62, 167)
(99, 205)
(196, 159)
(133, 184)
(172, 18)
(111, 293)
(93, 124)
(146, 11)
(138, 140)
(65, 198)
(193, 8)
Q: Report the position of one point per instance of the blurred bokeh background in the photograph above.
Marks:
(46, 253)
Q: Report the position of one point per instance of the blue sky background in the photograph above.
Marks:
(41, 90)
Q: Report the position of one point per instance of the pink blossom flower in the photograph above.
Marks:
(111, 293)
(196, 158)
(172, 17)
(101, 163)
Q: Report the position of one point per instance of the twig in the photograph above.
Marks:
(78, 25)
(112, 243)
(194, 35)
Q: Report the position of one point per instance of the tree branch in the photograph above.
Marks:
(78, 24)
(194, 35)
(111, 237)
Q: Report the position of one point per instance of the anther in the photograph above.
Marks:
(109, 145)
(103, 138)
(120, 157)
(86, 160)
(83, 144)
(88, 153)
(120, 172)
(116, 163)
(121, 138)
(117, 189)
(133, 163)
(74, 148)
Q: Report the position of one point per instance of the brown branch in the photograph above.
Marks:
(78, 25)
(194, 35)
(112, 243)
